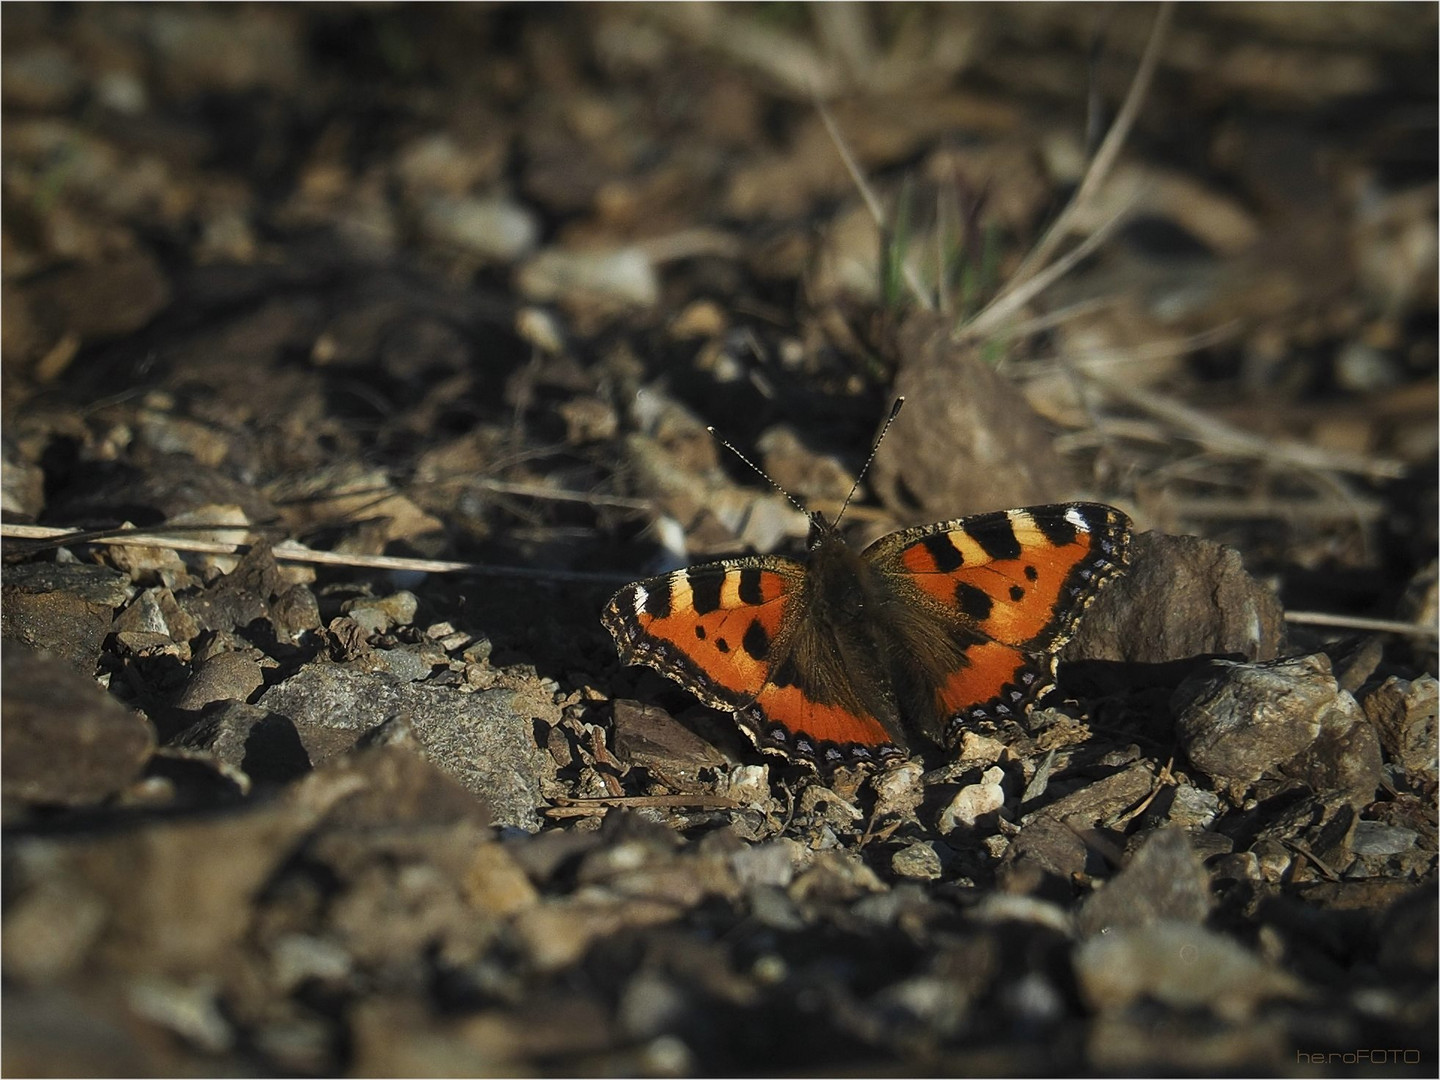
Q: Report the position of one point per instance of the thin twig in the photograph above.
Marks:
(1300, 849)
(1361, 622)
(568, 807)
(1059, 317)
(289, 551)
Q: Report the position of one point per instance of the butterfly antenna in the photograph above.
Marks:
(894, 412)
(731, 447)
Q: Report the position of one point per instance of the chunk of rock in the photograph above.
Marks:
(649, 737)
(103, 300)
(1178, 964)
(1164, 880)
(962, 453)
(899, 791)
(376, 615)
(918, 860)
(1182, 597)
(260, 743)
(624, 277)
(66, 741)
(1403, 713)
(62, 609)
(229, 676)
(974, 802)
(480, 739)
(1238, 722)
(1042, 860)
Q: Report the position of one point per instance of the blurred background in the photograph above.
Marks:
(434, 254)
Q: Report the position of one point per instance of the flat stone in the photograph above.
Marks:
(1238, 722)
(1163, 880)
(64, 609)
(66, 741)
(230, 676)
(479, 739)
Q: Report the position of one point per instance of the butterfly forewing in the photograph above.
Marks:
(1018, 581)
(712, 628)
(1020, 576)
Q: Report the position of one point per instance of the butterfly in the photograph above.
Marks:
(850, 657)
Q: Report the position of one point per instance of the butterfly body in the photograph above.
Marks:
(849, 657)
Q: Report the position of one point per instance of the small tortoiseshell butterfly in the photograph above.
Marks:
(843, 658)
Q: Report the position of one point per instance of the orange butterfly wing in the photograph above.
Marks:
(718, 630)
(1020, 579)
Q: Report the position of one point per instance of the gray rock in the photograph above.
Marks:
(64, 609)
(408, 663)
(66, 741)
(1377, 838)
(260, 743)
(1164, 880)
(1182, 597)
(1238, 722)
(480, 739)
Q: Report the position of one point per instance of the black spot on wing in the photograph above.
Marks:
(1059, 530)
(750, 591)
(1017, 593)
(756, 641)
(943, 551)
(705, 584)
(1031, 573)
(995, 534)
(973, 601)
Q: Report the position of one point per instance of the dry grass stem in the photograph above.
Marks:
(1020, 293)
(1361, 622)
(872, 202)
(289, 551)
(1311, 511)
(1104, 159)
(1221, 437)
(539, 491)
